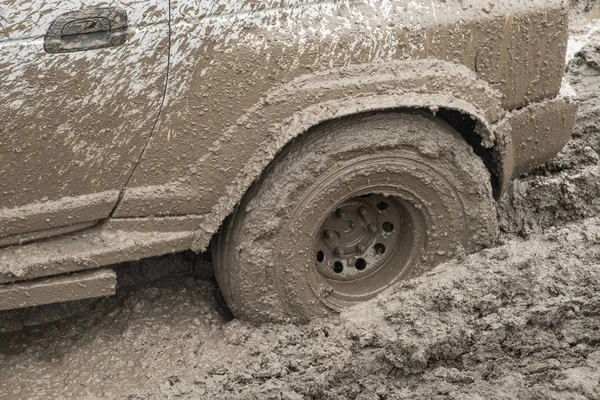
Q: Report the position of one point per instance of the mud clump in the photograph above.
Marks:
(538, 203)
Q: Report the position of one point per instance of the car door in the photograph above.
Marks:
(81, 86)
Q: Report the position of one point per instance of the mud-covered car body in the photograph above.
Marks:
(144, 146)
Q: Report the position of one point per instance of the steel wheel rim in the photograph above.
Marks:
(358, 238)
(403, 244)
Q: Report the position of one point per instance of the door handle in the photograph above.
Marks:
(87, 29)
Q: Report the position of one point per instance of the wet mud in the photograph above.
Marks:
(521, 320)
(518, 321)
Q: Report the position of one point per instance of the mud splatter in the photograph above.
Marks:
(518, 321)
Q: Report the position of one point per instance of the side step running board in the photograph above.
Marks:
(89, 249)
(60, 268)
(76, 286)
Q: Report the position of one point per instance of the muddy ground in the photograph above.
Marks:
(521, 320)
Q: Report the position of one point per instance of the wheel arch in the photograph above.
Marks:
(449, 91)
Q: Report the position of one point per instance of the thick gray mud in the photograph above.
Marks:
(518, 321)
(521, 320)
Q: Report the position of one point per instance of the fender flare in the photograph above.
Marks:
(310, 100)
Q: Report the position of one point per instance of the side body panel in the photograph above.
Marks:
(231, 60)
(248, 77)
(73, 125)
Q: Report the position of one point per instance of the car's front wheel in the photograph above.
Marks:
(350, 209)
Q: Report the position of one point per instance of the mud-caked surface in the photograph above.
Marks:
(521, 320)
(518, 321)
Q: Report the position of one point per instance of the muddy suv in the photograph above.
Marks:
(323, 150)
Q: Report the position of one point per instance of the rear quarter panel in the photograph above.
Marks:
(228, 56)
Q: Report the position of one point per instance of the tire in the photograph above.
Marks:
(274, 260)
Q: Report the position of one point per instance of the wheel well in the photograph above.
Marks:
(462, 122)
(467, 127)
(465, 124)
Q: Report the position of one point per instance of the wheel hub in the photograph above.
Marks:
(358, 238)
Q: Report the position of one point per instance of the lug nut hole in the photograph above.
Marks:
(382, 206)
(320, 256)
(360, 264)
(379, 248)
(388, 226)
(338, 267)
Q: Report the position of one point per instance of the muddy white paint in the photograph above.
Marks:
(74, 124)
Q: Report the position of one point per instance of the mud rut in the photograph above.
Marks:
(521, 320)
